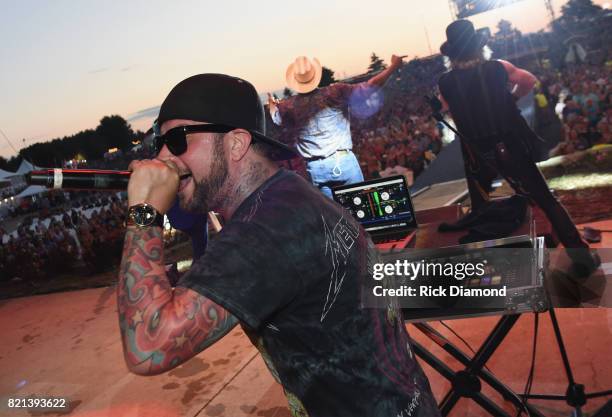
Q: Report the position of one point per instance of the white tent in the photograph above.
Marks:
(25, 167)
(5, 174)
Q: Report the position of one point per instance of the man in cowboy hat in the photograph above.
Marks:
(494, 136)
(293, 282)
(319, 119)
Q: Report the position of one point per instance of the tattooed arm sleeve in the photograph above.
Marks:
(161, 327)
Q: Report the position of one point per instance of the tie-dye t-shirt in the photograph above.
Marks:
(289, 265)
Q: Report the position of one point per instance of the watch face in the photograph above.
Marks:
(144, 215)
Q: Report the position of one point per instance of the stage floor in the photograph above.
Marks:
(67, 345)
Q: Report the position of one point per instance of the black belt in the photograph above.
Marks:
(318, 158)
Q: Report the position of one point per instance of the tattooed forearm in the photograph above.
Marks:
(161, 327)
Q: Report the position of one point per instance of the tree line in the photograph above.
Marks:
(91, 144)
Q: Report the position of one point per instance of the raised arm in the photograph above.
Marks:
(524, 80)
(161, 327)
(379, 79)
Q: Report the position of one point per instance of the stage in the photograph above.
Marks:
(67, 345)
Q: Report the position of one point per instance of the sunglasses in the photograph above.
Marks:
(176, 139)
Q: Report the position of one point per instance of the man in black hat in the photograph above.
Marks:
(481, 95)
(288, 265)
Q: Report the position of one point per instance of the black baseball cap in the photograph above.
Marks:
(221, 99)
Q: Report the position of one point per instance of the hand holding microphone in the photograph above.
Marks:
(153, 182)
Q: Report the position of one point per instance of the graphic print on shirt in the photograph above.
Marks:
(338, 242)
(412, 406)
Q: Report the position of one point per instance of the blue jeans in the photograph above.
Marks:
(338, 169)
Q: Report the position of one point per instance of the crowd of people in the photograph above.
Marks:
(44, 204)
(580, 97)
(88, 235)
(402, 145)
(402, 137)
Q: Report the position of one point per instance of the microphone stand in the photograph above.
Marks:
(436, 109)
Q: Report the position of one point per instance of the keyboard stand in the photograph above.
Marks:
(467, 382)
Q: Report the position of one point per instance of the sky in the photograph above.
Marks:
(66, 64)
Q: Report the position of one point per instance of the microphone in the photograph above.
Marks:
(81, 179)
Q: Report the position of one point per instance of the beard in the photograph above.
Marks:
(206, 192)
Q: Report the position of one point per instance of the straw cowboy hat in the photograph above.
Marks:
(303, 75)
(462, 40)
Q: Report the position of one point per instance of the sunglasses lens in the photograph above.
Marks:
(175, 140)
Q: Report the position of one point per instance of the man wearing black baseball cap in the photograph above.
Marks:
(288, 265)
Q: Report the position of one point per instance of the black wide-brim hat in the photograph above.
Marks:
(462, 40)
(221, 99)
